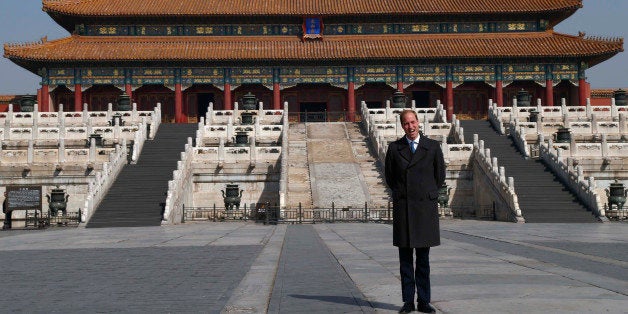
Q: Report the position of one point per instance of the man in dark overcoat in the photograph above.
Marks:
(415, 169)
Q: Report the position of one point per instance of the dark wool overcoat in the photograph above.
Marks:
(414, 180)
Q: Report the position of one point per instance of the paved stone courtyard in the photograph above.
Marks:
(324, 268)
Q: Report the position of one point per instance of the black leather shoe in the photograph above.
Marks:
(425, 308)
(407, 307)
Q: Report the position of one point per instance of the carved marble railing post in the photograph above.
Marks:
(209, 115)
(85, 114)
(614, 110)
(622, 124)
(61, 157)
(109, 111)
(92, 150)
(134, 115)
(9, 117)
(573, 147)
(426, 126)
(398, 128)
(594, 121)
(221, 152)
(230, 129)
(30, 155)
(35, 114)
(116, 130)
(252, 151)
(60, 116)
(34, 131)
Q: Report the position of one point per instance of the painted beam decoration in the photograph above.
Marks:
(565, 72)
(331, 75)
(102, 76)
(151, 76)
(61, 77)
(311, 28)
(473, 73)
(190, 76)
(426, 73)
(373, 74)
(524, 72)
(260, 75)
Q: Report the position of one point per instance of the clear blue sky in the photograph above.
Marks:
(24, 21)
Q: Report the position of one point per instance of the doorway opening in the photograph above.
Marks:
(421, 99)
(313, 111)
(202, 102)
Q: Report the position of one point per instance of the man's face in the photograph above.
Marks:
(410, 125)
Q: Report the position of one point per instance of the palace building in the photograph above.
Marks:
(325, 55)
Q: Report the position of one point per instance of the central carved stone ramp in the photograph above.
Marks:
(372, 169)
(299, 189)
(136, 197)
(335, 173)
(542, 198)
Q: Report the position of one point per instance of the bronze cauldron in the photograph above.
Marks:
(57, 201)
(232, 197)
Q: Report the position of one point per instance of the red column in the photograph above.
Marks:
(227, 98)
(45, 97)
(449, 99)
(178, 104)
(276, 96)
(582, 91)
(400, 86)
(351, 101)
(499, 93)
(128, 89)
(78, 97)
(41, 109)
(549, 93)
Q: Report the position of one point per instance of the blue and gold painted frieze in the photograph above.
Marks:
(102, 76)
(61, 77)
(296, 29)
(376, 74)
(333, 75)
(314, 75)
(260, 75)
(425, 73)
(473, 73)
(151, 76)
(565, 72)
(190, 76)
(524, 72)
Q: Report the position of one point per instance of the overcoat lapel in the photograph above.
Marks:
(404, 149)
(420, 153)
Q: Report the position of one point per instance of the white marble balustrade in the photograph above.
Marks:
(79, 118)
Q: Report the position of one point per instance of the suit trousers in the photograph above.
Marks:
(412, 276)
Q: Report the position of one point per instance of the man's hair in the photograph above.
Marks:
(407, 111)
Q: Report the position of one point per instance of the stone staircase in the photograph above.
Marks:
(542, 198)
(372, 170)
(299, 188)
(136, 197)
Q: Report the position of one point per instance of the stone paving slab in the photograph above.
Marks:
(209, 267)
(310, 280)
(484, 267)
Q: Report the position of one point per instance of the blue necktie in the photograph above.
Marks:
(412, 148)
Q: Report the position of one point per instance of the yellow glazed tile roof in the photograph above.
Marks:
(300, 7)
(343, 47)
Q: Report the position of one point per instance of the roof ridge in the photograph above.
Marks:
(604, 39)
